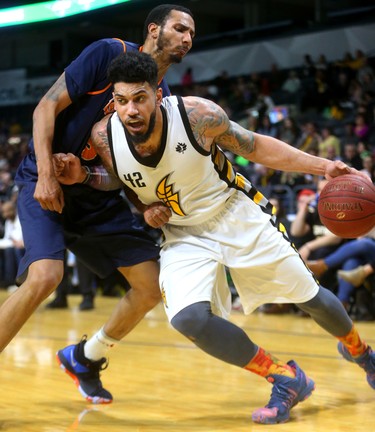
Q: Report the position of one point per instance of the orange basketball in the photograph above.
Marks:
(346, 206)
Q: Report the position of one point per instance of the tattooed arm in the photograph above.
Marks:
(48, 190)
(156, 214)
(97, 177)
(68, 169)
(211, 125)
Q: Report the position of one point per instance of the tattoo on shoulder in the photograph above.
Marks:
(205, 116)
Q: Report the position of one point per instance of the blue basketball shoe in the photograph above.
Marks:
(286, 393)
(84, 372)
(366, 361)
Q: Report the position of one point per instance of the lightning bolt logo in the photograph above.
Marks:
(165, 193)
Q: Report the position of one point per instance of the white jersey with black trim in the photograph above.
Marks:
(193, 183)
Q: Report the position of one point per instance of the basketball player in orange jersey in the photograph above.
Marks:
(98, 227)
(169, 151)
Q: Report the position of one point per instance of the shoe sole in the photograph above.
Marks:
(66, 368)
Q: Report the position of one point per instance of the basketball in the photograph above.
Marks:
(346, 206)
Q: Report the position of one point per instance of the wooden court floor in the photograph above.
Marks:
(162, 383)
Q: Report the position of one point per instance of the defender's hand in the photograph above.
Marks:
(68, 169)
(49, 194)
(157, 214)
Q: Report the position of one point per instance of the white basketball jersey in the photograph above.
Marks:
(192, 182)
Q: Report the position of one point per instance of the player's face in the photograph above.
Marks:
(136, 105)
(176, 36)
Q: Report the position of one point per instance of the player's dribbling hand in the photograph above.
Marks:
(157, 214)
(337, 168)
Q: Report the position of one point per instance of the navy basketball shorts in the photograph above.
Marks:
(103, 252)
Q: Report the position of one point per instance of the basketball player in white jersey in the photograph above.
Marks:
(168, 151)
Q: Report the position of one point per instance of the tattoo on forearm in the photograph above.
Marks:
(99, 178)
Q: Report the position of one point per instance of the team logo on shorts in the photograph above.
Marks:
(164, 297)
(165, 193)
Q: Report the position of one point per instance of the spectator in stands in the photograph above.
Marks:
(359, 60)
(268, 128)
(368, 82)
(11, 244)
(369, 167)
(340, 87)
(264, 176)
(348, 135)
(328, 139)
(348, 257)
(322, 63)
(223, 83)
(346, 62)
(289, 131)
(320, 95)
(187, 78)
(311, 237)
(292, 84)
(275, 78)
(310, 137)
(355, 93)
(308, 66)
(332, 153)
(351, 156)
(361, 128)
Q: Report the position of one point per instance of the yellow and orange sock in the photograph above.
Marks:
(353, 343)
(265, 364)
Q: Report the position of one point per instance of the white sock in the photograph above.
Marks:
(98, 346)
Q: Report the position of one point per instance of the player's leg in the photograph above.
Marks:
(194, 310)
(288, 277)
(42, 263)
(144, 295)
(43, 277)
(142, 273)
(327, 310)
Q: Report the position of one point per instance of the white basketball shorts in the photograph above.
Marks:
(264, 266)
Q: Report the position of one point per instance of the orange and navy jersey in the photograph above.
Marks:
(91, 94)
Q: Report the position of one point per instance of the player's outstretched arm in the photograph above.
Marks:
(211, 125)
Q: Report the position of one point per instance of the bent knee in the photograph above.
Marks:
(153, 298)
(192, 320)
(44, 277)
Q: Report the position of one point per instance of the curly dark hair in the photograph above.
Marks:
(133, 67)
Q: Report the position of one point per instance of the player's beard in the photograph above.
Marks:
(142, 138)
(163, 44)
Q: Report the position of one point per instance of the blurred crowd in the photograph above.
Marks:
(323, 108)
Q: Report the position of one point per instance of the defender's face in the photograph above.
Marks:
(136, 105)
(176, 36)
